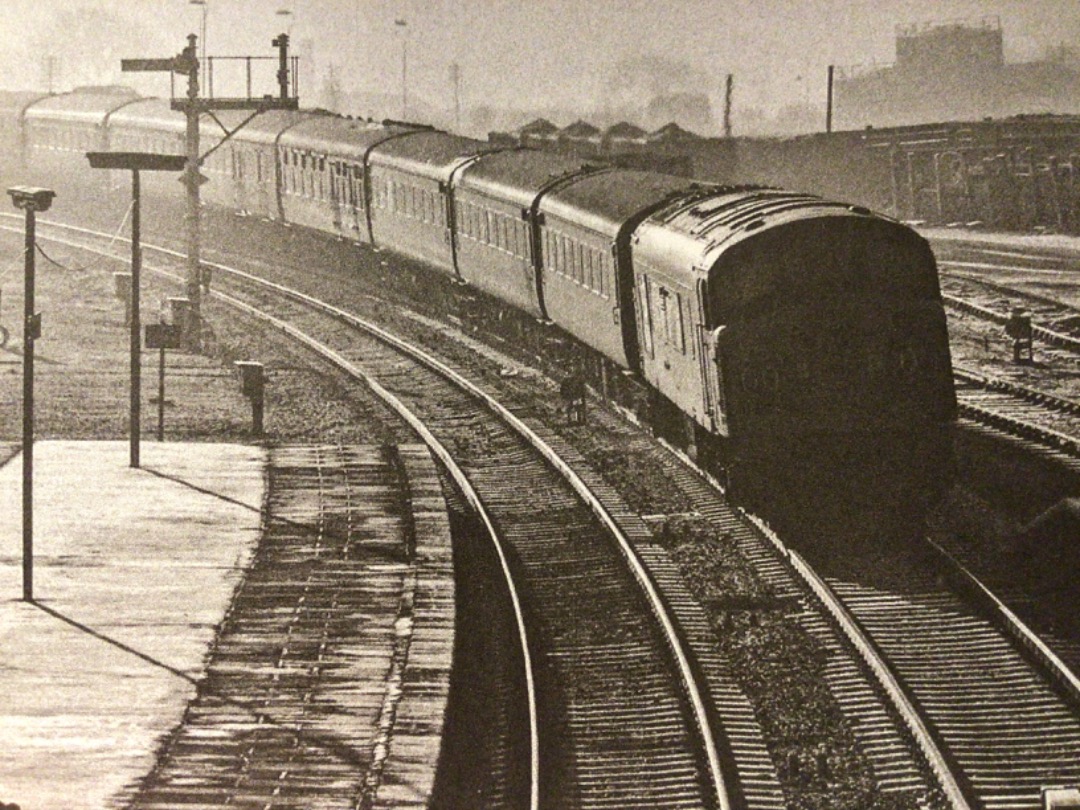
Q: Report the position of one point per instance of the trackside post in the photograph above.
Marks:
(30, 200)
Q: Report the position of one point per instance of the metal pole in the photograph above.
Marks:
(729, 89)
(136, 325)
(829, 100)
(161, 395)
(194, 211)
(283, 66)
(29, 328)
(455, 77)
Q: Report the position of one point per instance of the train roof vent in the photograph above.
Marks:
(862, 210)
(391, 122)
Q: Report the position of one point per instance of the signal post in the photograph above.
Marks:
(194, 105)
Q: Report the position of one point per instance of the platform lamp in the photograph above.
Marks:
(31, 200)
(136, 162)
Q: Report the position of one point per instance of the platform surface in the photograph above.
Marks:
(133, 571)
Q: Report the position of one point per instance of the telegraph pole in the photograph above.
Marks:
(729, 89)
(829, 100)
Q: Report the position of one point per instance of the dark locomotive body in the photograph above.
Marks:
(821, 355)
(795, 346)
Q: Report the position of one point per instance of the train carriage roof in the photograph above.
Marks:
(88, 107)
(265, 127)
(149, 113)
(518, 175)
(604, 201)
(690, 236)
(340, 137)
(428, 153)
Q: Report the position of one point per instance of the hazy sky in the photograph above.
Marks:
(512, 52)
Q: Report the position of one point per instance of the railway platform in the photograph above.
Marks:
(228, 624)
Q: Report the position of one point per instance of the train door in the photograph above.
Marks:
(712, 371)
(241, 175)
(264, 182)
(338, 194)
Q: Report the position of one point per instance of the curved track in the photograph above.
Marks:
(625, 717)
(915, 635)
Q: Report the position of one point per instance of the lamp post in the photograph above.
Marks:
(205, 7)
(30, 200)
(404, 26)
(136, 162)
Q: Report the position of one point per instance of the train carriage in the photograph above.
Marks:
(495, 207)
(820, 344)
(148, 125)
(788, 342)
(585, 234)
(254, 154)
(61, 129)
(323, 167)
(410, 180)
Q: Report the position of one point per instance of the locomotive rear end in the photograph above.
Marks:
(839, 377)
(824, 375)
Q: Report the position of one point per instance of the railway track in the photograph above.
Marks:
(1025, 402)
(949, 738)
(1007, 716)
(979, 712)
(630, 715)
(1055, 323)
(1018, 410)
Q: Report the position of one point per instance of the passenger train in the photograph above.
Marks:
(795, 345)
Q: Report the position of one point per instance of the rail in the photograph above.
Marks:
(656, 601)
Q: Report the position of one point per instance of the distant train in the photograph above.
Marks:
(797, 346)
